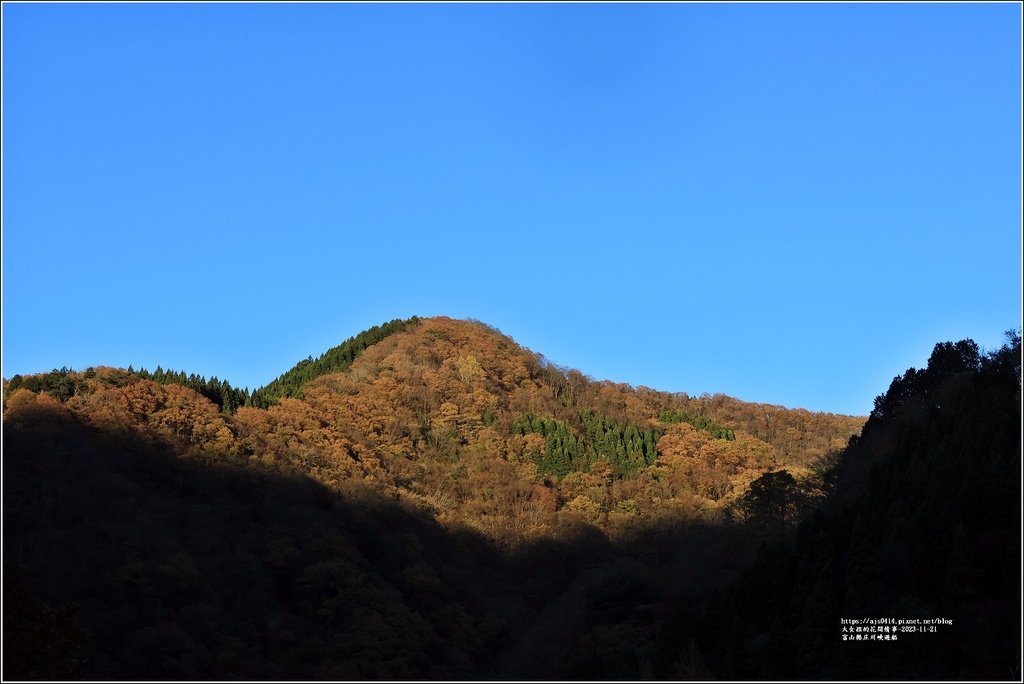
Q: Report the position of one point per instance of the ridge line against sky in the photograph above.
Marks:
(783, 203)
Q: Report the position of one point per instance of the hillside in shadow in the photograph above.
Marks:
(124, 560)
(148, 536)
(923, 523)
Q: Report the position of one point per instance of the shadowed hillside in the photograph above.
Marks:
(450, 505)
(127, 556)
(922, 522)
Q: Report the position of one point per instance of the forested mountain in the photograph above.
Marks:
(471, 426)
(923, 522)
(334, 360)
(431, 500)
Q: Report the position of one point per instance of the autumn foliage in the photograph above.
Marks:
(470, 426)
(430, 500)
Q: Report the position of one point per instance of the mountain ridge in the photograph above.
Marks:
(442, 411)
(290, 382)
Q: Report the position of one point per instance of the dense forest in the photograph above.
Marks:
(429, 500)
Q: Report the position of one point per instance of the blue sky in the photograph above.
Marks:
(784, 203)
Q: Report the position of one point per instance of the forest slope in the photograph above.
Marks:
(470, 426)
(449, 505)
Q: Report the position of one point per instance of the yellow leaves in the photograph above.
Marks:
(447, 414)
(469, 370)
(586, 508)
(579, 483)
(759, 455)
(628, 506)
(714, 469)
(482, 401)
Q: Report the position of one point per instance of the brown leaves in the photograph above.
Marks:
(428, 413)
(167, 414)
(27, 407)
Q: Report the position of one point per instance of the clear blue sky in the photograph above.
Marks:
(784, 203)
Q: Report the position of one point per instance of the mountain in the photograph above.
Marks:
(472, 427)
(427, 500)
